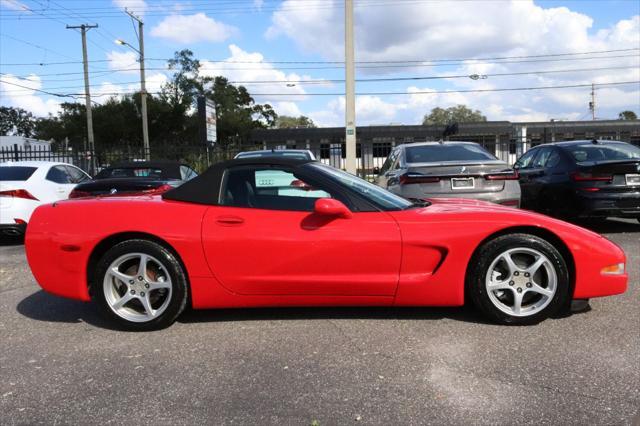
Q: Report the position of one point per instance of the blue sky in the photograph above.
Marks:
(395, 40)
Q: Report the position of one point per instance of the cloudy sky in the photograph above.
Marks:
(412, 55)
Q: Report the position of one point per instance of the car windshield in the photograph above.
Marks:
(16, 172)
(439, 153)
(142, 172)
(376, 195)
(603, 152)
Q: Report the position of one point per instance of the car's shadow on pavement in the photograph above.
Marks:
(41, 306)
(6, 240)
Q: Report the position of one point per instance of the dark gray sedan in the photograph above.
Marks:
(449, 169)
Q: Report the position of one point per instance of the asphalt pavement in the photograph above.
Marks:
(61, 363)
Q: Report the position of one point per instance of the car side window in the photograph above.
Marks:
(553, 160)
(269, 188)
(525, 161)
(187, 173)
(77, 175)
(58, 174)
(542, 158)
(389, 162)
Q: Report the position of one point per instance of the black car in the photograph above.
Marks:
(586, 178)
(135, 177)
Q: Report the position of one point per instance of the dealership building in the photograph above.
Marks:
(507, 140)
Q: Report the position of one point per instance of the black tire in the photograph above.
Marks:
(179, 287)
(490, 251)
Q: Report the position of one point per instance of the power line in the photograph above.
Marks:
(370, 80)
(39, 47)
(508, 89)
(408, 62)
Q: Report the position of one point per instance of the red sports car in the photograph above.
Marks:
(288, 232)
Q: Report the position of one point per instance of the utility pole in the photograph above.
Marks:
(592, 104)
(350, 111)
(87, 95)
(143, 89)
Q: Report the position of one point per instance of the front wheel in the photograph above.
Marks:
(518, 279)
(140, 285)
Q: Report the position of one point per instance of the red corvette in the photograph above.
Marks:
(282, 232)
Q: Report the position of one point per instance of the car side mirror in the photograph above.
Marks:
(332, 207)
(376, 171)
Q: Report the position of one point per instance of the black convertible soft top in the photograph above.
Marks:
(205, 188)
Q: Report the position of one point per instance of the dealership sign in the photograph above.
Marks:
(207, 126)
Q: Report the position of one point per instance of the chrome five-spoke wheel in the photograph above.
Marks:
(140, 284)
(137, 287)
(518, 279)
(521, 281)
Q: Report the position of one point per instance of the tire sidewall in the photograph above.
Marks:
(487, 253)
(178, 292)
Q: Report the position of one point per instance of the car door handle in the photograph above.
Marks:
(229, 220)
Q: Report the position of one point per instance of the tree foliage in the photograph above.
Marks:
(455, 114)
(172, 115)
(627, 115)
(288, 122)
(16, 121)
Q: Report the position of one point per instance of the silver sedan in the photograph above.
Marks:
(450, 170)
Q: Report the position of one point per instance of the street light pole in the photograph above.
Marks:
(143, 89)
(87, 94)
(350, 110)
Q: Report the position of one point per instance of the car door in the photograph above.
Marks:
(265, 239)
(524, 166)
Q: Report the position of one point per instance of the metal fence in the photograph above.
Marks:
(197, 156)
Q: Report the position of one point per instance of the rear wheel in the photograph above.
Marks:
(518, 279)
(140, 285)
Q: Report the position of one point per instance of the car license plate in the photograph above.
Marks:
(462, 183)
(633, 179)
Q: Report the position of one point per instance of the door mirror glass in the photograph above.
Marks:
(332, 207)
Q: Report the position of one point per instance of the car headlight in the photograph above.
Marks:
(617, 269)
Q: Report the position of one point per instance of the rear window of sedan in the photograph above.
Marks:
(443, 152)
(130, 172)
(16, 172)
(601, 152)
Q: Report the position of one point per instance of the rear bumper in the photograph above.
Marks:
(617, 205)
(12, 230)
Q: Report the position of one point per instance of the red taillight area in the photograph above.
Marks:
(589, 189)
(159, 190)
(590, 177)
(20, 221)
(18, 193)
(513, 175)
(79, 194)
(416, 178)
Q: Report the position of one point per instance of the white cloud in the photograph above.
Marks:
(27, 97)
(139, 7)
(433, 30)
(287, 108)
(123, 61)
(244, 66)
(192, 29)
(14, 5)
(108, 89)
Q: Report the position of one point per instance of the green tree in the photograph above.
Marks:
(627, 115)
(288, 122)
(16, 121)
(455, 114)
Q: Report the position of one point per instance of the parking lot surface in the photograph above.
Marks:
(61, 363)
